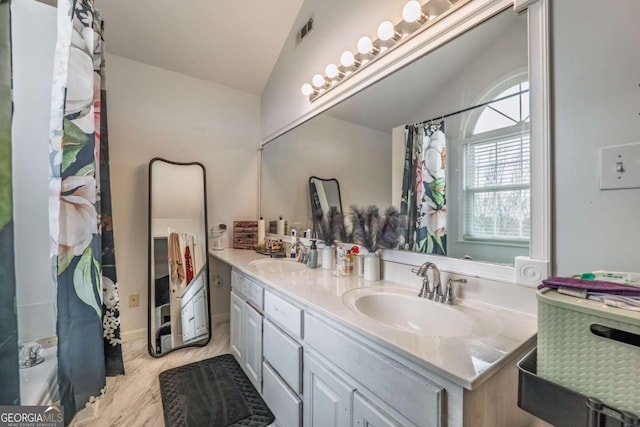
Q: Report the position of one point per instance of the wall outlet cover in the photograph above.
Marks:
(134, 300)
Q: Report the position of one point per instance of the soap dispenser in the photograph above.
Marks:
(313, 255)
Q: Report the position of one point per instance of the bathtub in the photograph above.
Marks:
(39, 384)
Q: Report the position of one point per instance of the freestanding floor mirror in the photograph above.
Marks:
(179, 303)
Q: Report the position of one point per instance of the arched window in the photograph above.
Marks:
(497, 166)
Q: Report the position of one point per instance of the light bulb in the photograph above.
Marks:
(332, 71)
(365, 45)
(386, 31)
(306, 89)
(412, 11)
(318, 80)
(347, 59)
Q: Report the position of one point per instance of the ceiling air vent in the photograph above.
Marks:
(305, 30)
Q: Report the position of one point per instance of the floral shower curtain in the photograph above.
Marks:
(82, 249)
(423, 188)
(9, 378)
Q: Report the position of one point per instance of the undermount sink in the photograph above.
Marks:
(278, 265)
(402, 309)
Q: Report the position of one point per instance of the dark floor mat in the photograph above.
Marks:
(213, 392)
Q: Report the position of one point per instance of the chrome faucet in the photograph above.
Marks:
(300, 250)
(426, 292)
(449, 295)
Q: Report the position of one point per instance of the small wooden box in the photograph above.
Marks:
(245, 234)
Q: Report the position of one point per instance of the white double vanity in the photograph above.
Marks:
(325, 350)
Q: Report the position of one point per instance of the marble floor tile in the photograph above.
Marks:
(133, 399)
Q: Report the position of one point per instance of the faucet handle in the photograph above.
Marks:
(449, 295)
(425, 292)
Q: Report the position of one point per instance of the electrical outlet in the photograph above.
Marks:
(217, 281)
(134, 300)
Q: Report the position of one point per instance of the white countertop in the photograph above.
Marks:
(466, 361)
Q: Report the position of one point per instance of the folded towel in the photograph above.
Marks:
(599, 286)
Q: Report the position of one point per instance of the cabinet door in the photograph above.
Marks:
(367, 414)
(188, 324)
(235, 332)
(327, 400)
(200, 314)
(252, 332)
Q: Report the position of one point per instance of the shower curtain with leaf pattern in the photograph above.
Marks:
(9, 378)
(82, 247)
(423, 188)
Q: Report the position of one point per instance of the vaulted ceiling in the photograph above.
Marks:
(231, 42)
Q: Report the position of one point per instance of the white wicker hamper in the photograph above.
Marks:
(601, 361)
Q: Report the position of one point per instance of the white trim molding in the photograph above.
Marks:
(540, 134)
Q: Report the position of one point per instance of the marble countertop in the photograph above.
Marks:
(466, 361)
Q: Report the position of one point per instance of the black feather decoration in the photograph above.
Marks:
(336, 224)
(321, 227)
(374, 231)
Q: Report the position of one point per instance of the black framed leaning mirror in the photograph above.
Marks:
(178, 266)
(324, 198)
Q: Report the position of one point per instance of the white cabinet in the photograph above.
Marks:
(245, 338)
(193, 311)
(252, 332)
(327, 399)
(367, 414)
(284, 354)
(394, 385)
(200, 314)
(235, 333)
(188, 322)
(285, 405)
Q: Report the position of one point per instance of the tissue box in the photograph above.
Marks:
(590, 348)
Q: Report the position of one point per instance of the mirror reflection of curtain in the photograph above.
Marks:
(9, 391)
(423, 188)
(82, 251)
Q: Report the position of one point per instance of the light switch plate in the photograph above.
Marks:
(620, 166)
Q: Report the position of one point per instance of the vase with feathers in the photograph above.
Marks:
(375, 231)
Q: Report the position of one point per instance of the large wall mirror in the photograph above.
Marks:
(179, 304)
(449, 134)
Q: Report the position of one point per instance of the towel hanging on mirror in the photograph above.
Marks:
(175, 260)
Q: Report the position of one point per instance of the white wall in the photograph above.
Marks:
(157, 113)
(596, 102)
(357, 156)
(33, 37)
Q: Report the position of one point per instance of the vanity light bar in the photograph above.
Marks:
(416, 18)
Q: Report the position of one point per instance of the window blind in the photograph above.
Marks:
(497, 188)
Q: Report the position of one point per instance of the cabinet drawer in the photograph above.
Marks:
(392, 382)
(288, 316)
(252, 292)
(284, 404)
(283, 354)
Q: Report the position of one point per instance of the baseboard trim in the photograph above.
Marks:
(142, 333)
(219, 318)
(134, 335)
